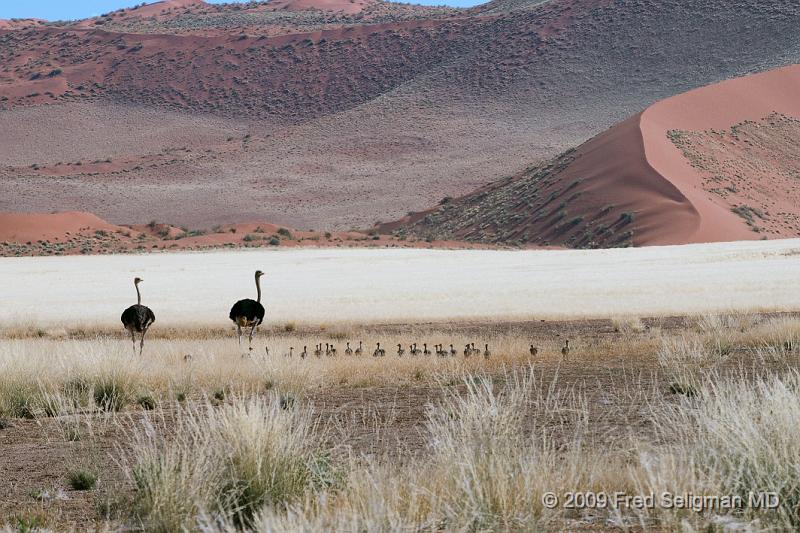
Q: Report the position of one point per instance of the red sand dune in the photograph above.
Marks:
(68, 233)
(717, 106)
(23, 227)
(632, 181)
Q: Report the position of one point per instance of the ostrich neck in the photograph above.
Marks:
(138, 296)
(258, 289)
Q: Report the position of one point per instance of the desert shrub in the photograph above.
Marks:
(81, 479)
(735, 436)
(111, 392)
(487, 470)
(27, 523)
(146, 402)
(780, 335)
(685, 358)
(18, 397)
(77, 389)
(628, 325)
(228, 461)
(721, 333)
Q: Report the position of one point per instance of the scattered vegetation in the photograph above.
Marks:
(81, 479)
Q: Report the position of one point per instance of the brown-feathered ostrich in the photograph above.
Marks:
(248, 313)
(138, 318)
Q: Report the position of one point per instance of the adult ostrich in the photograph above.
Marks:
(248, 313)
(138, 318)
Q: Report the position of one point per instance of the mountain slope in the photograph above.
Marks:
(340, 119)
(714, 164)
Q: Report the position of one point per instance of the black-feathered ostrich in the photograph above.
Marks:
(138, 318)
(248, 313)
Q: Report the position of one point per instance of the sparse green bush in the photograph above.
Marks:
(81, 479)
(111, 392)
(146, 402)
(18, 398)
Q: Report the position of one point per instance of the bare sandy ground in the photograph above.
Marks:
(200, 171)
(328, 286)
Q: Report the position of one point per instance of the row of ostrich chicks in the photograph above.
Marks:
(250, 314)
(439, 350)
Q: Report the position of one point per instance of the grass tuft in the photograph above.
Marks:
(82, 479)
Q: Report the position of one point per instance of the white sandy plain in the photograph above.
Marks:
(328, 286)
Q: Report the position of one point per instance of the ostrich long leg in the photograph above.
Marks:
(239, 331)
(133, 341)
(252, 331)
(141, 344)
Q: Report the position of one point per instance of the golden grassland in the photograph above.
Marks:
(218, 441)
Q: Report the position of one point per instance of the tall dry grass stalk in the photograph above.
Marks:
(738, 436)
(628, 326)
(225, 462)
(495, 442)
(44, 376)
(486, 471)
(716, 338)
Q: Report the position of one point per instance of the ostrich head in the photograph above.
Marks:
(258, 284)
(136, 281)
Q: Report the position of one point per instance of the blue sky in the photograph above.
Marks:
(76, 9)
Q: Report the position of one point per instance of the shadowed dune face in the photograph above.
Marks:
(654, 178)
(592, 196)
(335, 120)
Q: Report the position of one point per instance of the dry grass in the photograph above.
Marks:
(486, 471)
(737, 436)
(243, 447)
(225, 462)
(52, 376)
